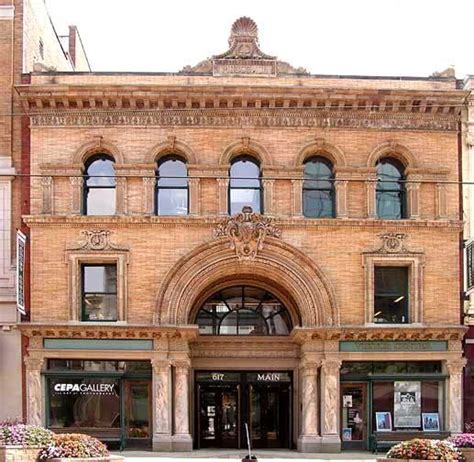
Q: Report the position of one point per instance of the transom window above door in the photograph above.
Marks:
(243, 310)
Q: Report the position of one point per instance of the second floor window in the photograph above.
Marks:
(391, 197)
(172, 192)
(391, 294)
(318, 188)
(99, 293)
(99, 186)
(245, 187)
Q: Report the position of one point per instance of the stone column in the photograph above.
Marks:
(162, 440)
(223, 193)
(194, 196)
(121, 202)
(370, 188)
(268, 203)
(47, 190)
(34, 391)
(440, 201)
(182, 440)
(76, 184)
(297, 198)
(341, 198)
(330, 438)
(309, 440)
(149, 195)
(454, 398)
(413, 202)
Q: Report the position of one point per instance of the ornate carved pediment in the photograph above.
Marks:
(244, 56)
(96, 240)
(246, 232)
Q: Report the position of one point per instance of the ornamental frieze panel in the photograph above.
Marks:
(286, 117)
(96, 240)
(246, 232)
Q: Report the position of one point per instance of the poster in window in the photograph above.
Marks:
(430, 422)
(347, 401)
(407, 404)
(347, 434)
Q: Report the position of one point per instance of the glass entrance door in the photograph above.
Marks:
(218, 416)
(269, 411)
(354, 415)
(137, 411)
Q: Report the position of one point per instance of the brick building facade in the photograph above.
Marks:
(163, 312)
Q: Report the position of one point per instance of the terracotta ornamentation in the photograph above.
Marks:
(96, 240)
(246, 232)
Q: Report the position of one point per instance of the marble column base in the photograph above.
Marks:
(162, 443)
(182, 443)
(330, 443)
(309, 443)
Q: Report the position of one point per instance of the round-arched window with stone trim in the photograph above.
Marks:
(243, 310)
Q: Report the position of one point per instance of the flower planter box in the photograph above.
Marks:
(468, 453)
(18, 454)
(385, 459)
(111, 458)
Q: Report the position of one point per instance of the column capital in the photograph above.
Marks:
(159, 365)
(182, 365)
(76, 180)
(33, 363)
(456, 366)
(331, 366)
(148, 180)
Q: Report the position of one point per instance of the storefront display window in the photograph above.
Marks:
(90, 403)
(384, 396)
(99, 397)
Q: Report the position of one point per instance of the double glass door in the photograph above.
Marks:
(223, 409)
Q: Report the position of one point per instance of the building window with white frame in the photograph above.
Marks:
(99, 292)
(391, 304)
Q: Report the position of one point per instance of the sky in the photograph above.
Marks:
(349, 37)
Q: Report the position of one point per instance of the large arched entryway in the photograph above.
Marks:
(228, 401)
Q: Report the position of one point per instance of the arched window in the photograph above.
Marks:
(99, 185)
(245, 187)
(172, 193)
(391, 197)
(243, 310)
(318, 188)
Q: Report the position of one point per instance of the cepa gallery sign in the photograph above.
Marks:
(68, 388)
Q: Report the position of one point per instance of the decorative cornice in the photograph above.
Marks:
(268, 117)
(381, 333)
(246, 232)
(88, 331)
(96, 240)
(211, 221)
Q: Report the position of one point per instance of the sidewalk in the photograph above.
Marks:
(235, 455)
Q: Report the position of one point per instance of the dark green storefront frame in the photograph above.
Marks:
(369, 380)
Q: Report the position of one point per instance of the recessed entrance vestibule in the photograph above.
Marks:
(227, 400)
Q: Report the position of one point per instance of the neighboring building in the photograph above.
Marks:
(28, 42)
(165, 312)
(468, 204)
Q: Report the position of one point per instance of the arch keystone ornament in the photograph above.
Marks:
(246, 232)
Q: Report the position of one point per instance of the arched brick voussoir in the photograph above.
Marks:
(291, 270)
